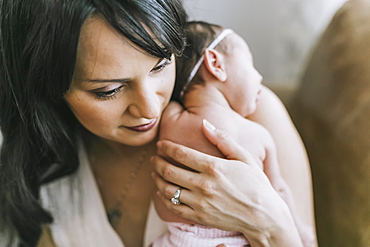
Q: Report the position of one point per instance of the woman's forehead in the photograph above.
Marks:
(97, 33)
(103, 52)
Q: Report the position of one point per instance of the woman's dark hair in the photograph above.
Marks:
(199, 35)
(38, 45)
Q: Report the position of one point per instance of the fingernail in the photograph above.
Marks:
(208, 125)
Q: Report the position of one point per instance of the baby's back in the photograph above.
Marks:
(185, 127)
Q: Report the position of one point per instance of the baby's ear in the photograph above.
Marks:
(215, 64)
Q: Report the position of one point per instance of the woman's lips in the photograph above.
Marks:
(144, 127)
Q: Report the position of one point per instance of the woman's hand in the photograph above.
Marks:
(230, 194)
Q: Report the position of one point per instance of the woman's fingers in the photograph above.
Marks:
(168, 190)
(227, 146)
(191, 158)
(171, 173)
(168, 178)
(199, 161)
(181, 209)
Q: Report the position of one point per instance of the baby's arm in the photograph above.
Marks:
(169, 130)
(169, 117)
(272, 171)
(292, 157)
(185, 128)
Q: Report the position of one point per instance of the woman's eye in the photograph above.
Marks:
(161, 65)
(108, 94)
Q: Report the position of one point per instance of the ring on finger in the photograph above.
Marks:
(176, 197)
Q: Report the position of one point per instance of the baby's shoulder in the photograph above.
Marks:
(175, 116)
(177, 122)
(256, 131)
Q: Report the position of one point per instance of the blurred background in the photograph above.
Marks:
(280, 33)
(324, 81)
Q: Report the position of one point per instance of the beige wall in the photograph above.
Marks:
(279, 32)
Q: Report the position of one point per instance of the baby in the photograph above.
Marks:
(223, 87)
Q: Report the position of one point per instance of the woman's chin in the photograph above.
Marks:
(142, 138)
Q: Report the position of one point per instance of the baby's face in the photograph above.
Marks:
(244, 79)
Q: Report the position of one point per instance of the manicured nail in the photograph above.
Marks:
(208, 125)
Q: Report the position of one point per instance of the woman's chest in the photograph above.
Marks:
(126, 191)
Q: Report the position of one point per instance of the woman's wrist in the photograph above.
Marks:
(275, 227)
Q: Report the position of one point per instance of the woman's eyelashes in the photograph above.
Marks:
(111, 94)
(161, 65)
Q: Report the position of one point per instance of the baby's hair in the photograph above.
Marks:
(200, 61)
(199, 35)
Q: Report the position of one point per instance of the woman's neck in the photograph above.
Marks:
(123, 176)
(100, 149)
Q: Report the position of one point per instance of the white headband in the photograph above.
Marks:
(195, 69)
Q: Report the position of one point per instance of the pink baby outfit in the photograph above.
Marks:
(186, 235)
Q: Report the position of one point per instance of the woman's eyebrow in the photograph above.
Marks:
(108, 80)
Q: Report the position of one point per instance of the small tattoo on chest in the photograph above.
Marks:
(114, 216)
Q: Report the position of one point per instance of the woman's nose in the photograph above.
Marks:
(145, 103)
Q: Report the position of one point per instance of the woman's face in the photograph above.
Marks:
(118, 91)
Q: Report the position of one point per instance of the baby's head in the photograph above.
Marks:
(223, 57)
(198, 37)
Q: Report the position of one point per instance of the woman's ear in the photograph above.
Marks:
(215, 64)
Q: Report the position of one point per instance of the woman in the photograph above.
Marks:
(84, 84)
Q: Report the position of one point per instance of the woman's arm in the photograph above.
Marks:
(230, 194)
(292, 156)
